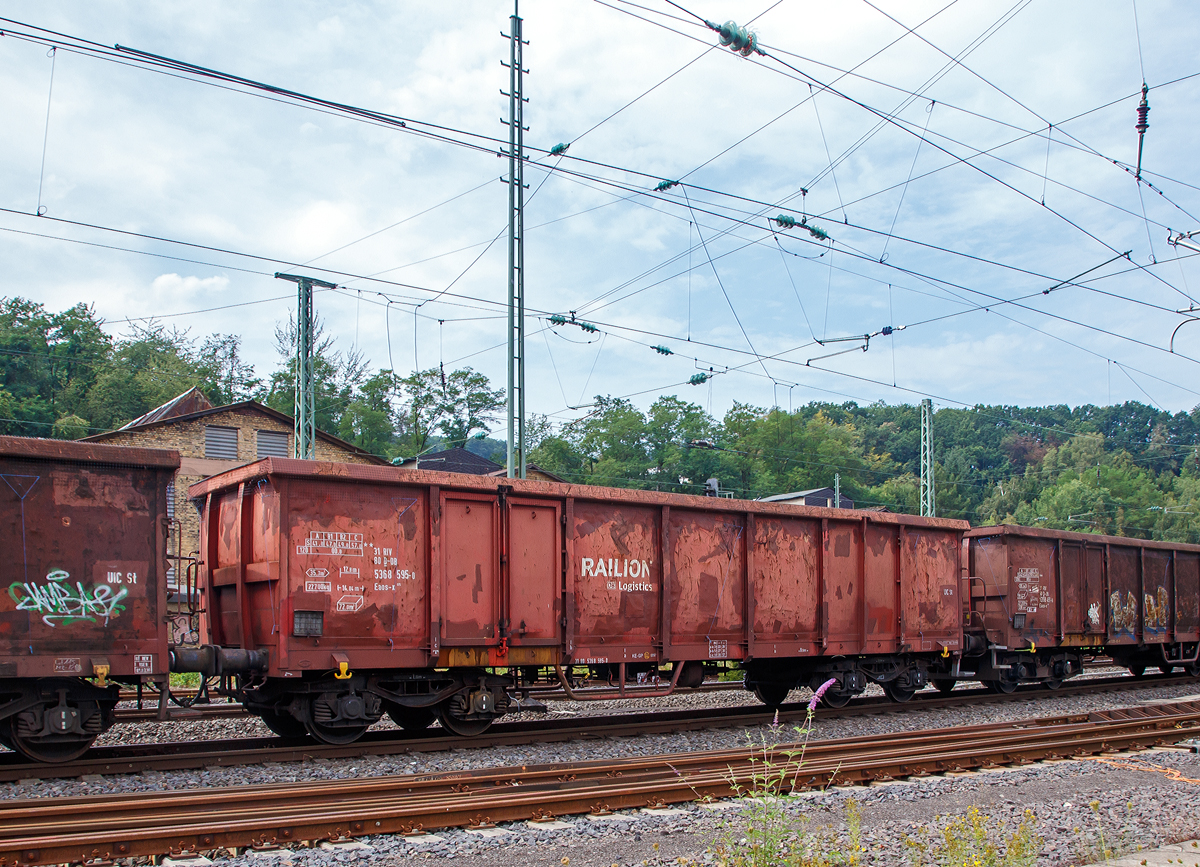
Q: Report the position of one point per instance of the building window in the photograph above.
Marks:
(221, 443)
(272, 444)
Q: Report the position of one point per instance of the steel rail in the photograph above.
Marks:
(544, 692)
(110, 826)
(182, 755)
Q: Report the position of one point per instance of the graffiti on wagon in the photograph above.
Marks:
(60, 601)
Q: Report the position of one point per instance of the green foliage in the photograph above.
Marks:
(1129, 469)
(768, 830)
(63, 376)
(978, 840)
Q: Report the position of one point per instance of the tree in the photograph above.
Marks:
(613, 442)
(369, 420)
(422, 409)
(336, 375)
(228, 379)
(468, 404)
(143, 371)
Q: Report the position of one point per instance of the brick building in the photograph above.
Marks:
(211, 439)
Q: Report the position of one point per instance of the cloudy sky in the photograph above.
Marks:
(957, 154)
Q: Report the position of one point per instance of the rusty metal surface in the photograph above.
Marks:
(91, 453)
(83, 532)
(362, 473)
(1083, 589)
(108, 826)
(649, 576)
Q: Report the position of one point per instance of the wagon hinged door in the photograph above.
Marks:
(532, 567)
(502, 571)
(470, 528)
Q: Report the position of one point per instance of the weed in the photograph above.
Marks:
(1101, 844)
(977, 840)
(766, 832)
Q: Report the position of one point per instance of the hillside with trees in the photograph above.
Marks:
(1130, 469)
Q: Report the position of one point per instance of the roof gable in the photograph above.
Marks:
(191, 401)
(245, 406)
(457, 460)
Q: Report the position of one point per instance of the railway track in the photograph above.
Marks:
(181, 755)
(101, 828)
(226, 709)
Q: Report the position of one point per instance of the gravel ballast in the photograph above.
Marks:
(1078, 805)
(1135, 805)
(469, 758)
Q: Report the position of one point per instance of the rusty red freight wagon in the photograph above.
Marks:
(1046, 598)
(84, 535)
(339, 592)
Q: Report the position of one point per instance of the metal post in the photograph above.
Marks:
(305, 406)
(837, 490)
(516, 250)
(927, 496)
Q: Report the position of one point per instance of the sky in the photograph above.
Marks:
(968, 168)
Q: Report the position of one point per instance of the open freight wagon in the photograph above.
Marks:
(1044, 599)
(84, 530)
(339, 592)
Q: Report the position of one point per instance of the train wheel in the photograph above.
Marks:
(943, 685)
(772, 694)
(1137, 670)
(1193, 668)
(283, 724)
(411, 718)
(464, 728)
(329, 734)
(898, 694)
(1052, 683)
(50, 750)
(1004, 687)
(836, 699)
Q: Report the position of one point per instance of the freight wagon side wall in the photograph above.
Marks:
(85, 565)
(741, 584)
(413, 569)
(1069, 589)
(309, 569)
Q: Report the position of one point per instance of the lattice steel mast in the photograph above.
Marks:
(927, 499)
(305, 408)
(516, 249)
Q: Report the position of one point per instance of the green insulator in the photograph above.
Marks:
(665, 185)
(698, 379)
(738, 39)
(556, 319)
(818, 233)
(559, 149)
(588, 327)
(663, 350)
(786, 222)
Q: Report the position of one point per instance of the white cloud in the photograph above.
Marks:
(162, 157)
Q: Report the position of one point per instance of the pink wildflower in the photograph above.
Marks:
(819, 694)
